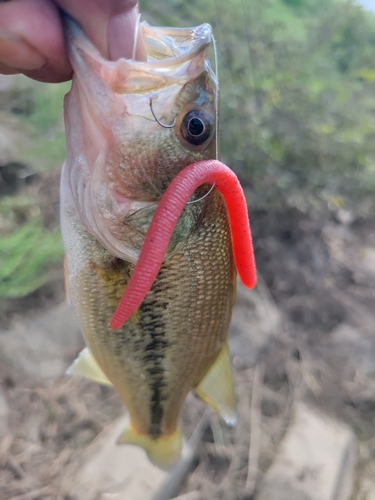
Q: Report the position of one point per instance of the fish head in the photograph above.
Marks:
(132, 126)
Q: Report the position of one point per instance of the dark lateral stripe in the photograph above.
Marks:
(153, 325)
(156, 409)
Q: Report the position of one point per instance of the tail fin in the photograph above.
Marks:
(163, 451)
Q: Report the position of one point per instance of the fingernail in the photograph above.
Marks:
(16, 53)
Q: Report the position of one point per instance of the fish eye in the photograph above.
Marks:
(196, 127)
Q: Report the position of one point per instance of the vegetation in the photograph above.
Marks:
(30, 245)
(297, 116)
(298, 93)
(26, 256)
(46, 126)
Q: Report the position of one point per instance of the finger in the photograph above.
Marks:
(14, 52)
(32, 40)
(111, 25)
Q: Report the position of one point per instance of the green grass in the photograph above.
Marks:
(48, 106)
(45, 127)
(30, 253)
(27, 256)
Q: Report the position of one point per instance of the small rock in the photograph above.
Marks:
(111, 471)
(114, 471)
(315, 460)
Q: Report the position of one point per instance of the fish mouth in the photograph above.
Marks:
(174, 55)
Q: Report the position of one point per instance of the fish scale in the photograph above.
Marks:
(182, 311)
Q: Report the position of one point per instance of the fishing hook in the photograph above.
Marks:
(159, 122)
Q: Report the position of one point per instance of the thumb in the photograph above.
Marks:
(111, 25)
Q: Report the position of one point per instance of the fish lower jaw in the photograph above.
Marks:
(116, 228)
(115, 245)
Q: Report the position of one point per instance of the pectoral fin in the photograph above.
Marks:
(216, 388)
(86, 366)
(163, 451)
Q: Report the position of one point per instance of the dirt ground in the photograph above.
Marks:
(318, 268)
(321, 277)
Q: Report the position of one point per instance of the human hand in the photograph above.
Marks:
(32, 38)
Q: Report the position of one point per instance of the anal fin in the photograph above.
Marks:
(216, 388)
(86, 366)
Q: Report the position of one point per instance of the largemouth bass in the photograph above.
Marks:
(132, 128)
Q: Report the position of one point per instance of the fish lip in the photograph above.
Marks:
(184, 55)
(201, 37)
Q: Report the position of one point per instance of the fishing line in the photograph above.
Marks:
(159, 122)
(202, 197)
(216, 72)
(216, 96)
(136, 33)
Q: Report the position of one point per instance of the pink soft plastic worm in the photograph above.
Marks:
(165, 219)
